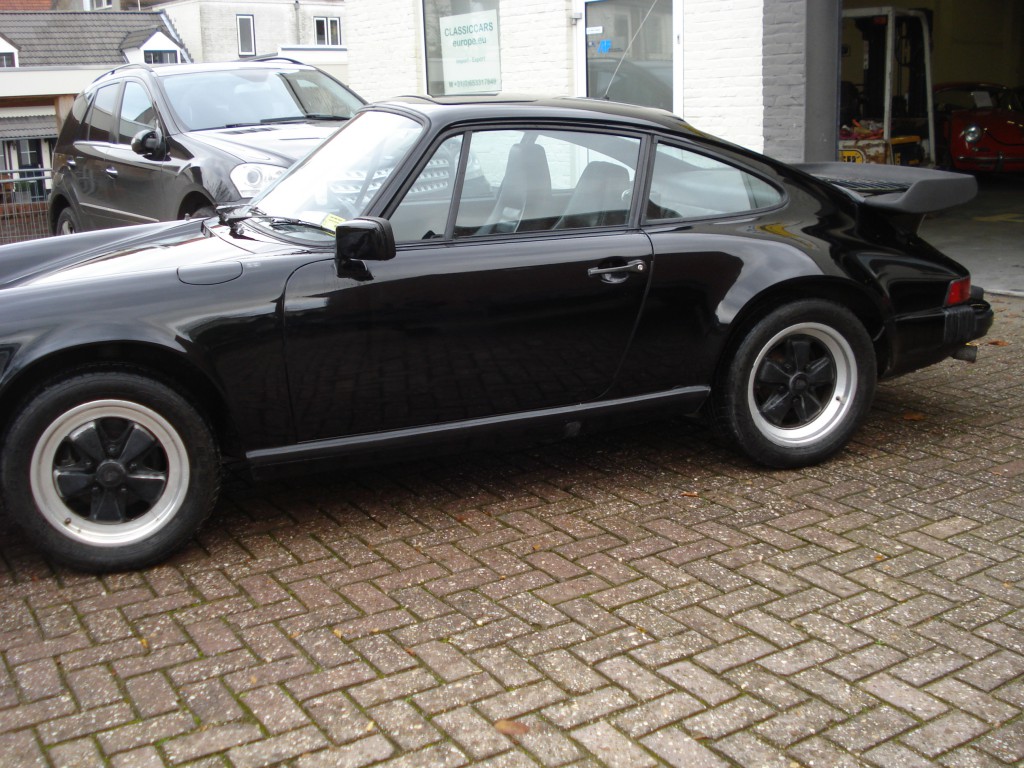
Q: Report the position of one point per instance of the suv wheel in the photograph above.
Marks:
(67, 223)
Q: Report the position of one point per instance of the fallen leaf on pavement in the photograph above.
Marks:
(512, 727)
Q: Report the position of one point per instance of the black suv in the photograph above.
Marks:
(146, 143)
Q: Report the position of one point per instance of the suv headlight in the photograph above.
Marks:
(250, 178)
(972, 133)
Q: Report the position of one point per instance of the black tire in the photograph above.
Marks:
(67, 222)
(109, 470)
(203, 212)
(798, 385)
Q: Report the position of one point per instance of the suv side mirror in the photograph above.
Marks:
(364, 239)
(150, 144)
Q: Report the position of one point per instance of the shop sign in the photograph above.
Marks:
(470, 52)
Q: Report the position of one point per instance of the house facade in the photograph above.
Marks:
(47, 58)
(225, 30)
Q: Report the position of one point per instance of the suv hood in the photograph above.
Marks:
(273, 143)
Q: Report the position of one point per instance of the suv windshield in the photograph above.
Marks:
(221, 98)
(340, 179)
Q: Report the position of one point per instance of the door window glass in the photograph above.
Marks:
(689, 185)
(530, 180)
(101, 116)
(423, 212)
(137, 112)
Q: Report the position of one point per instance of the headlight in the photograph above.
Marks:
(250, 178)
(972, 133)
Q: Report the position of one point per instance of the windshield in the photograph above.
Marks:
(252, 96)
(339, 180)
(979, 97)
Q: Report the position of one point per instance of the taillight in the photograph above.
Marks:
(959, 291)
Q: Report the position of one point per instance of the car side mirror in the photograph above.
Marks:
(150, 144)
(364, 239)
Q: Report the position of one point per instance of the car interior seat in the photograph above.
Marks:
(524, 198)
(598, 199)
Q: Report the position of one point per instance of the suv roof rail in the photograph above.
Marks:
(135, 65)
(274, 57)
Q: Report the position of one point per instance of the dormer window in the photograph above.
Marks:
(8, 60)
(161, 57)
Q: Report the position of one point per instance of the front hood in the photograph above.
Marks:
(275, 143)
(121, 251)
(1003, 125)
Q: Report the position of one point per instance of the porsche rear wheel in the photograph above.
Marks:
(110, 470)
(799, 385)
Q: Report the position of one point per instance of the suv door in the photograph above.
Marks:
(94, 172)
(143, 189)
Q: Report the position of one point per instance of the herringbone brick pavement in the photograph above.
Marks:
(639, 598)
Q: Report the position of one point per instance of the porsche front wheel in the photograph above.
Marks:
(799, 384)
(110, 470)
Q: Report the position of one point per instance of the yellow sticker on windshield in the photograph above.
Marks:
(332, 221)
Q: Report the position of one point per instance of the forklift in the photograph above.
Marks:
(885, 93)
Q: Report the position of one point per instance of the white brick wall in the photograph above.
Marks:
(385, 48)
(722, 76)
(537, 47)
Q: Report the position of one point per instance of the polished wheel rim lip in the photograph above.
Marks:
(72, 524)
(840, 400)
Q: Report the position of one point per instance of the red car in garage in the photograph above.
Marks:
(979, 127)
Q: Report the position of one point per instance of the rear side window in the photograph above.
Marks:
(137, 112)
(687, 185)
(101, 116)
(74, 128)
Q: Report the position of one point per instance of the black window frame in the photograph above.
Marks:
(686, 145)
(88, 123)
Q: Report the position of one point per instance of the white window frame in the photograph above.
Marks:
(252, 34)
(331, 27)
(147, 53)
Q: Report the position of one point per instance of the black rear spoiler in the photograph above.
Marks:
(901, 190)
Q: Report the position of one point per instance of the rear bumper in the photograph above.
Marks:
(925, 338)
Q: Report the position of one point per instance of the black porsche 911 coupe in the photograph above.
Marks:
(448, 271)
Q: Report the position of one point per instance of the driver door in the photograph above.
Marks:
(503, 305)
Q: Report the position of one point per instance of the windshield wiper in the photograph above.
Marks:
(299, 118)
(235, 217)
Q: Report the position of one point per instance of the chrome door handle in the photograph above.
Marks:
(637, 265)
(111, 172)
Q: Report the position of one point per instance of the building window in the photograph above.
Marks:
(246, 36)
(327, 30)
(462, 46)
(99, 5)
(161, 57)
(7, 60)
